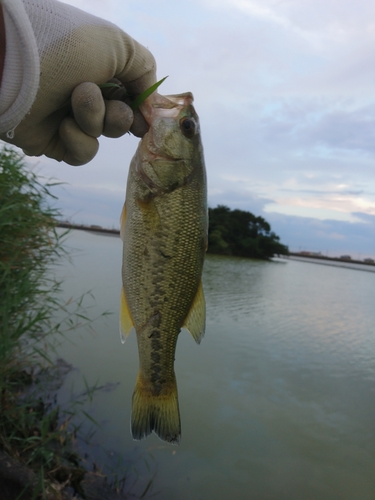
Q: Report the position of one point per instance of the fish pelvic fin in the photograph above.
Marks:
(126, 322)
(195, 321)
(158, 413)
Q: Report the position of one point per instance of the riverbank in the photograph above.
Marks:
(347, 259)
(304, 256)
(93, 228)
(40, 454)
(359, 265)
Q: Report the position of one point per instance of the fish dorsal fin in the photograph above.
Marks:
(122, 222)
(195, 321)
(126, 322)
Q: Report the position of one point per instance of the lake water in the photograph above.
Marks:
(277, 402)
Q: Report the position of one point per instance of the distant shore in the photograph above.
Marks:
(93, 227)
(358, 265)
(307, 256)
(342, 260)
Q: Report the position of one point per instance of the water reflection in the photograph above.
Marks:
(278, 400)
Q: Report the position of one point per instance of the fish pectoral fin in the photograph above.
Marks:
(126, 322)
(195, 321)
(122, 222)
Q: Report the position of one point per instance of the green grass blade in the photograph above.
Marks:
(142, 97)
(89, 417)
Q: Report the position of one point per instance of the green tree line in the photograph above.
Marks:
(241, 233)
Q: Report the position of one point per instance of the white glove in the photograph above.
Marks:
(47, 106)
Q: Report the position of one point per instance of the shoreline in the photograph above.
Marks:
(354, 265)
(83, 227)
(318, 259)
(332, 259)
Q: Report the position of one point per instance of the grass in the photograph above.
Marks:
(33, 432)
(134, 102)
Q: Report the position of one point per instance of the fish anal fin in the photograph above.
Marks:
(126, 322)
(122, 222)
(156, 412)
(195, 321)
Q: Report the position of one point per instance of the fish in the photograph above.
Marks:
(164, 225)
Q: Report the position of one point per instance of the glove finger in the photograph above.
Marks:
(80, 147)
(141, 84)
(140, 126)
(118, 119)
(88, 108)
(139, 71)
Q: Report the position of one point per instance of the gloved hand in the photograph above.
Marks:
(76, 51)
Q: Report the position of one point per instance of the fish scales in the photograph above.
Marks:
(164, 229)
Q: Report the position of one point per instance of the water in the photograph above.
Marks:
(278, 401)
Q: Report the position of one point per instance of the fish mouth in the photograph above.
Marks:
(165, 106)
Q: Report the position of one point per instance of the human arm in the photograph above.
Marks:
(56, 55)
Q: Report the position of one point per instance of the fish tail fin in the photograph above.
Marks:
(159, 413)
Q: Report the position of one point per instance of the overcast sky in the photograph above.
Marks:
(285, 91)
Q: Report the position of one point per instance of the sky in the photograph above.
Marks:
(285, 92)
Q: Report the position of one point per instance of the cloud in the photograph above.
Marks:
(338, 203)
(91, 205)
(285, 95)
(97, 8)
(368, 218)
(336, 20)
(330, 237)
(310, 123)
(346, 130)
(243, 200)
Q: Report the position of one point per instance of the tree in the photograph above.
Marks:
(241, 233)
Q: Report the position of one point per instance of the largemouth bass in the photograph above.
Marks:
(164, 230)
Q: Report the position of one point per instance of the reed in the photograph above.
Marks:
(31, 431)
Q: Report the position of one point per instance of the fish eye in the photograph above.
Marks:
(188, 127)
